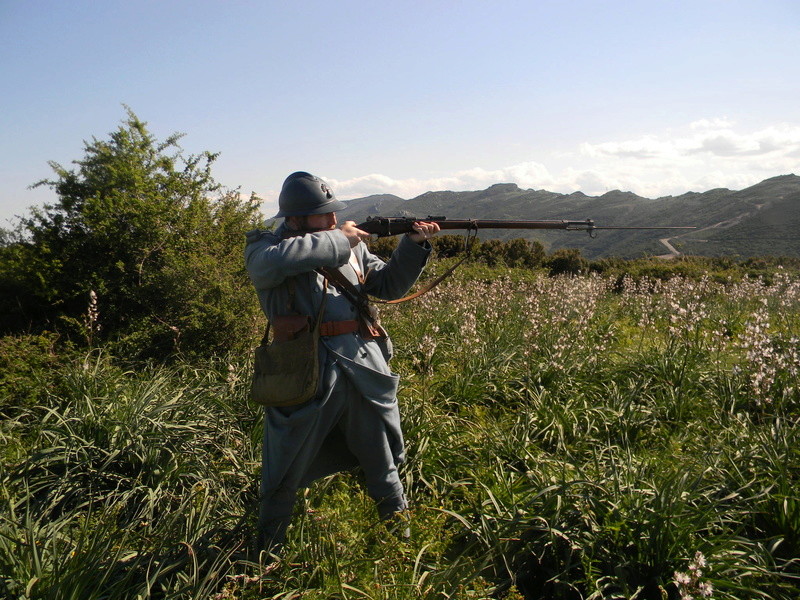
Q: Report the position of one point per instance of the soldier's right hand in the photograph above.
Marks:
(353, 234)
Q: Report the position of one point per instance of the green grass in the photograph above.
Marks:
(567, 438)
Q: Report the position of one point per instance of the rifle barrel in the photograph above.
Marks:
(385, 226)
(500, 224)
(618, 227)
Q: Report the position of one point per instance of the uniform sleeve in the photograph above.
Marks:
(270, 260)
(392, 280)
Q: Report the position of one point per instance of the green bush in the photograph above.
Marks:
(28, 364)
(567, 261)
(384, 246)
(142, 248)
(449, 245)
(523, 253)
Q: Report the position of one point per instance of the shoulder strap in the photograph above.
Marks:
(356, 297)
(291, 284)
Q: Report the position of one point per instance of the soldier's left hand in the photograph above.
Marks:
(424, 230)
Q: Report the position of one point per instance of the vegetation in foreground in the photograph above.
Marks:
(568, 437)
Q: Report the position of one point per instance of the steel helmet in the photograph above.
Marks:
(305, 194)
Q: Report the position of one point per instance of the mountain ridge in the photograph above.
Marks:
(759, 220)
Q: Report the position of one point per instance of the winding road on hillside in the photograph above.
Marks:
(673, 252)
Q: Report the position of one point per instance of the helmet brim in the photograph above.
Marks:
(322, 209)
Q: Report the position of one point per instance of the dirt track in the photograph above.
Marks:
(673, 252)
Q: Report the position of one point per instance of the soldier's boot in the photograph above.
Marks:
(398, 524)
(269, 538)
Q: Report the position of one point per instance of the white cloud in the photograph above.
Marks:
(718, 123)
(709, 153)
(713, 137)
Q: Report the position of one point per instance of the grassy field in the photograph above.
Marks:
(583, 437)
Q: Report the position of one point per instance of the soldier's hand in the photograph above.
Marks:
(353, 234)
(424, 230)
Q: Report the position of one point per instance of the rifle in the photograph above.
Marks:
(386, 226)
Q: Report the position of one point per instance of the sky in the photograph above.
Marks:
(653, 97)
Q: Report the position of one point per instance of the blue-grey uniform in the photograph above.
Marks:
(354, 418)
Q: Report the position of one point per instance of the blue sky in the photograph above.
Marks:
(652, 97)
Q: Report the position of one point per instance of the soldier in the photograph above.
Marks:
(353, 420)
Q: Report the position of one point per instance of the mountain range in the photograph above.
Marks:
(760, 220)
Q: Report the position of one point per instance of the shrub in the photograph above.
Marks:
(142, 248)
(449, 245)
(384, 246)
(523, 253)
(27, 365)
(567, 261)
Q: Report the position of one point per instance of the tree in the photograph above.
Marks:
(383, 247)
(567, 261)
(524, 253)
(151, 233)
(449, 245)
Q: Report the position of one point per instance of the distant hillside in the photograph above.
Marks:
(760, 220)
(374, 205)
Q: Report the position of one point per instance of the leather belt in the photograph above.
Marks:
(338, 327)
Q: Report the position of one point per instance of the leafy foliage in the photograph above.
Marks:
(149, 232)
(512, 253)
(566, 262)
(27, 366)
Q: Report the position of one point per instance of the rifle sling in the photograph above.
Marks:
(428, 286)
(469, 242)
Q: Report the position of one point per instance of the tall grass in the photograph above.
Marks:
(567, 438)
(135, 484)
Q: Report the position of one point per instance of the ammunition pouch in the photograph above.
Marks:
(286, 371)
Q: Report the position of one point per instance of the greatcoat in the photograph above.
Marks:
(354, 417)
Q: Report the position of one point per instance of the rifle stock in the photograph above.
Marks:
(386, 226)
